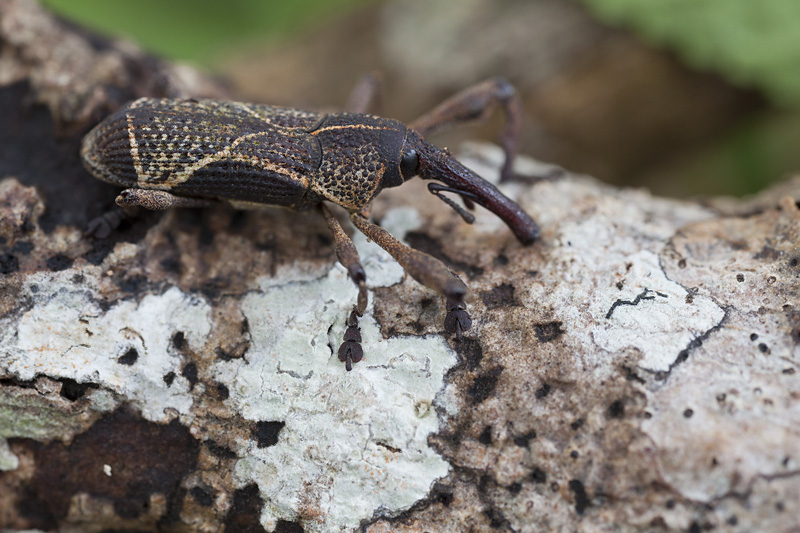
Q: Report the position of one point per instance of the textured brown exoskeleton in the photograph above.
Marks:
(191, 153)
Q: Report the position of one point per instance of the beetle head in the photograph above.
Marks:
(418, 157)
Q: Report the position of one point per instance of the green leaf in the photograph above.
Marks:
(754, 43)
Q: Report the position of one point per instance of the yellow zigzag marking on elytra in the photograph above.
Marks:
(225, 153)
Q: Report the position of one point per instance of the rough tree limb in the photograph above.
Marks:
(637, 368)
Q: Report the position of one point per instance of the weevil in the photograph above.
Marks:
(191, 153)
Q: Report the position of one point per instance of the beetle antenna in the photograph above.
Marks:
(437, 189)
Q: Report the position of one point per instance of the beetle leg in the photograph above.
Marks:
(102, 226)
(425, 269)
(129, 201)
(366, 94)
(475, 103)
(157, 200)
(350, 350)
(438, 189)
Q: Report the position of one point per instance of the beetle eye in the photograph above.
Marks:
(408, 164)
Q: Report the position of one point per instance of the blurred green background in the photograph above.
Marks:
(697, 97)
(199, 31)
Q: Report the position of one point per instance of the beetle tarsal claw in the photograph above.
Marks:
(350, 351)
(457, 319)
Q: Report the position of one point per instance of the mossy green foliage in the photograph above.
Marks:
(199, 30)
(753, 43)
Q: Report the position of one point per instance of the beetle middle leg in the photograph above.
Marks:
(366, 94)
(425, 269)
(475, 103)
(350, 350)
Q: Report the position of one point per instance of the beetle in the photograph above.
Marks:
(191, 153)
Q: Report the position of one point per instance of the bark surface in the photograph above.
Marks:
(636, 368)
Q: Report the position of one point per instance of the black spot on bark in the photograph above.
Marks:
(245, 512)
(485, 437)
(470, 352)
(72, 390)
(224, 355)
(206, 235)
(172, 265)
(524, 440)
(266, 432)
(213, 288)
(581, 498)
(132, 284)
(217, 450)
(548, 331)
(33, 508)
(616, 409)
(223, 393)
(284, 526)
(179, 340)
(483, 386)
(22, 247)
(203, 496)
(190, 373)
(59, 262)
(631, 375)
(763, 348)
(688, 413)
(500, 296)
(515, 488)
(8, 264)
(542, 391)
(501, 260)
(577, 424)
(145, 458)
(129, 357)
(238, 220)
(740, 278)
(442, 493)
(98, 252)
(538, 475)
(169, 377)
(496, 519)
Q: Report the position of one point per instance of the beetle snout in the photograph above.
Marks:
(439, 165)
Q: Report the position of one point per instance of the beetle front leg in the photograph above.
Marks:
(425, 269)
(155, 200)
(130, 200)
(475, 103)
(350, 350)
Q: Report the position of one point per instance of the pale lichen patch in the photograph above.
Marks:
(66, 334)
(358, 438)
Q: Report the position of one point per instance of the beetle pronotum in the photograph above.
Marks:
(190, 153)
